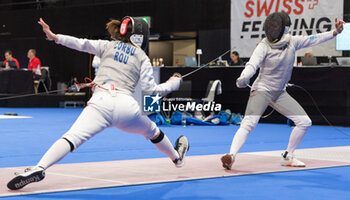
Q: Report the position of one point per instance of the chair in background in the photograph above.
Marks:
(213, 89)
(44, 80)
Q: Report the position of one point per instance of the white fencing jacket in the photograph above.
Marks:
(121, 63)
(276, 60)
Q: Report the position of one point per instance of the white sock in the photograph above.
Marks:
(238, 140)
(56, 152)
(295, 138)
(167, 148)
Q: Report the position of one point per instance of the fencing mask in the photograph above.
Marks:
(275, 25)
(137, 30)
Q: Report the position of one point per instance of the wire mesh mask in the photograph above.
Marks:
(274, 26)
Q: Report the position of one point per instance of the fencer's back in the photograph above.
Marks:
(120, 63)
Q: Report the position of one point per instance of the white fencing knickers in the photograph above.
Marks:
(106, 110)
(282, 102)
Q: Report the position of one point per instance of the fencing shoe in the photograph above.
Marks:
(181, 146)
(227, 161)
(29, 176)
(291, 161)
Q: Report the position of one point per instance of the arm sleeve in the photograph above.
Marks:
(17, 64)
(95, 47)
(254, 61)
(37, 64)
(312, 40)
(149, 85)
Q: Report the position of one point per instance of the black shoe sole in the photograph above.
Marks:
(20, 181)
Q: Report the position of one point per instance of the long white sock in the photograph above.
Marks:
(56, 152)
(167, 148)
(238, 140)
(295, 138)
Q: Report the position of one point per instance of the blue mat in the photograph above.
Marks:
(24, 141)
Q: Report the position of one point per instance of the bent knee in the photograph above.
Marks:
(151, 132)
(303, 122)
(78, 137)
(250, 122)
(147, 129)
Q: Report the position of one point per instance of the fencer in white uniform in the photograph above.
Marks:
(123, 64)
(275, 56)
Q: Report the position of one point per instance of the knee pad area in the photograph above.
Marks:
(249, 123)
(75, 139)
(70, 144)
(159, 138)
(303, 121)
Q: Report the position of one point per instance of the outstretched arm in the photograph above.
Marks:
(95, 47)
(148, 84)
(46, 28)
(312, 40)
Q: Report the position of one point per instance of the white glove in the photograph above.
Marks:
(177, 75)
(242, 82)
(175, 81)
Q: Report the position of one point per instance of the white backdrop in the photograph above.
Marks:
(308, 17)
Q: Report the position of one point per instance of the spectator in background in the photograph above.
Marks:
(34, 63)
(8, 57)
(308, 55)
(308, 59)
(235, 59)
